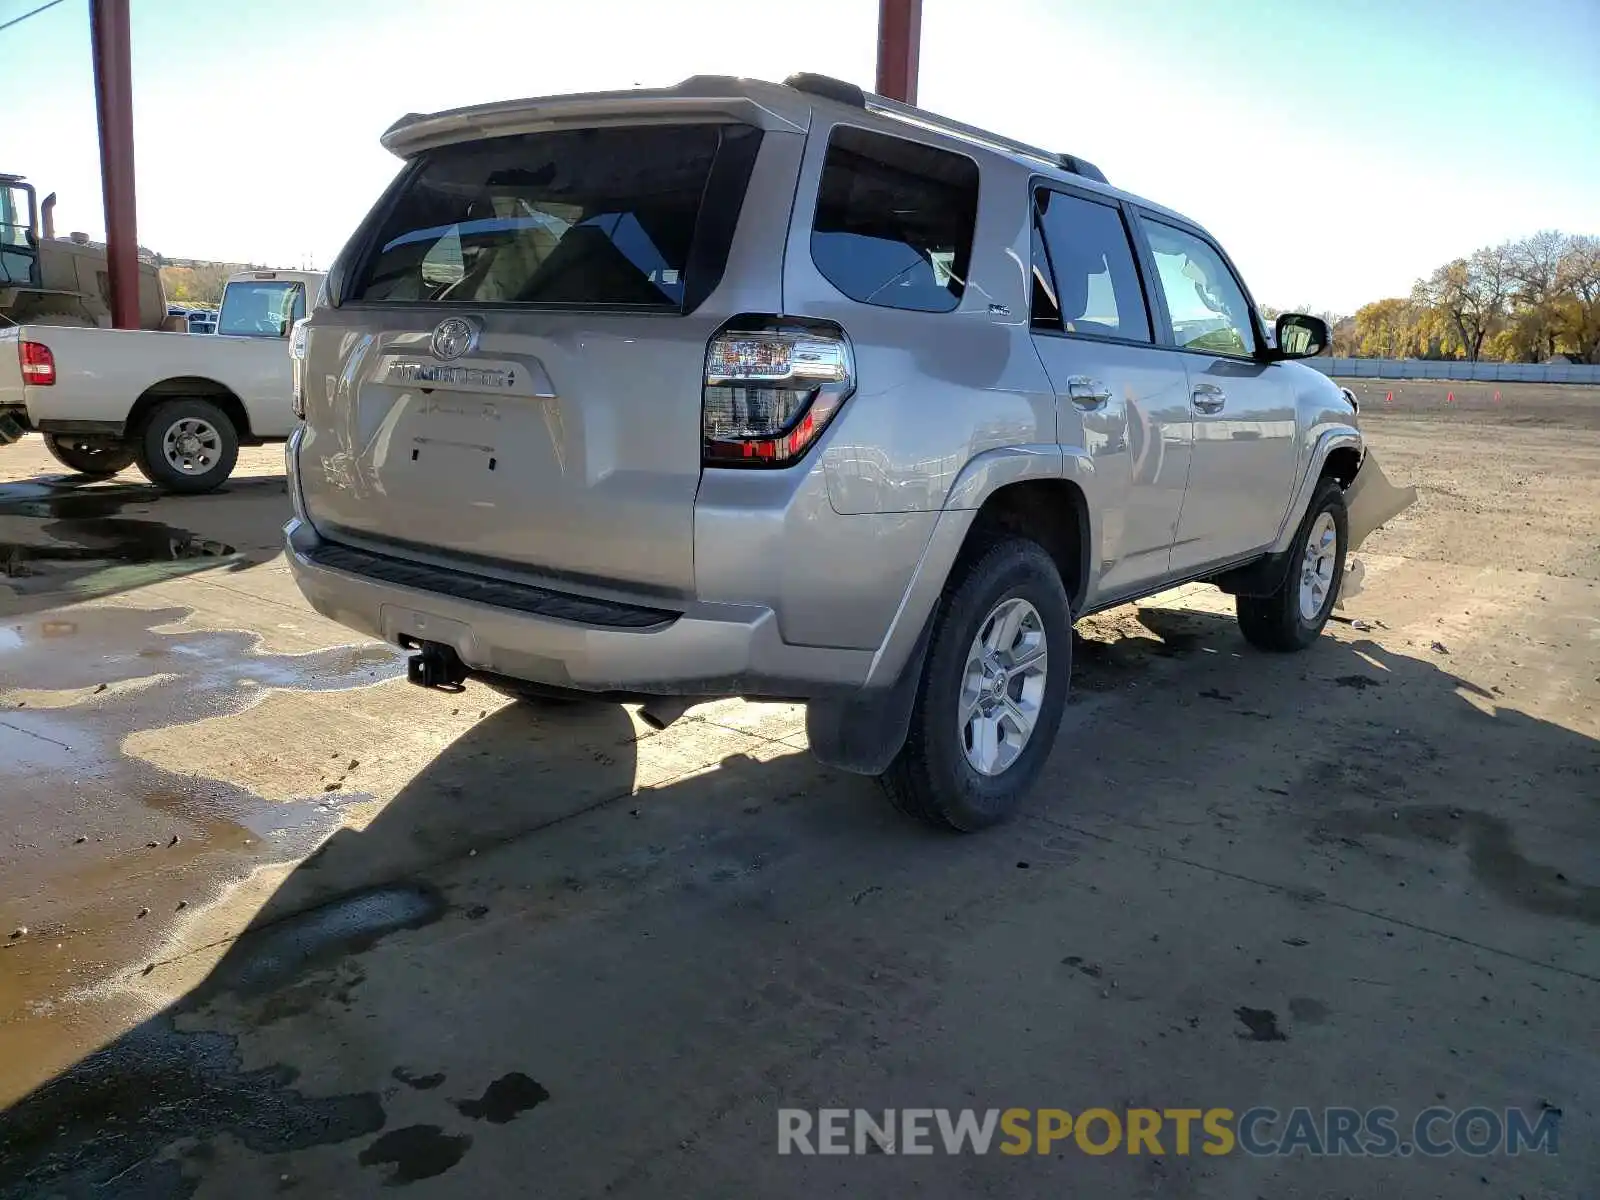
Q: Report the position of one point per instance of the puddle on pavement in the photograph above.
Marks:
(134, 1119)
(95, 836)
(56, 539)
(192, 674)
(63, 501)
(415, 1152)
(277, 953)
(138, 1114)
(1492, 854)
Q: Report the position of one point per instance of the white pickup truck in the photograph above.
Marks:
(180, 405)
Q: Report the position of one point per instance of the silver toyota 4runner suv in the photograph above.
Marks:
(791, 391)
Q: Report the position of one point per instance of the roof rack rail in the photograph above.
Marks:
(1082, 166)
(848, 93)
(828, 87)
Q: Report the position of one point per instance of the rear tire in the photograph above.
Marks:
(98, 459)
(1293, 616)
(1003, 614)
(188, 446)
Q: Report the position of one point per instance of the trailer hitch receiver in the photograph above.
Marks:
(436, 666)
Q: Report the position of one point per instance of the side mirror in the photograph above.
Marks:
(1300, 335)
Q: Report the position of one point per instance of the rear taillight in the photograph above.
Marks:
(770, 394)
(38, 364)
(297, 368)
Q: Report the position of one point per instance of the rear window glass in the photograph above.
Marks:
(634, 217)
(261, 309)
(894, 221)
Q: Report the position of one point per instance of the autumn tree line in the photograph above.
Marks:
(199, 284)
(1526, 301)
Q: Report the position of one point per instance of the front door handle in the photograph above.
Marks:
(1086, 392)
(1208, 397)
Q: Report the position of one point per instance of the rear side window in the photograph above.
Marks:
(1096, 286)
(615, 217)
(894, 221)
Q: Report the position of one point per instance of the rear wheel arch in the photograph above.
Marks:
(196, 387)
(865, 732)
(1052, 512)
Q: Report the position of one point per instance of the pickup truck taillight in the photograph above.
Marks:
(38, 364)
(770, 394)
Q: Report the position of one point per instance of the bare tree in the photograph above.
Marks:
(1578, 286)
(1535, 271)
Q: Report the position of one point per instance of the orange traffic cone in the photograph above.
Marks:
(1497, 395)
(1389, 398)
(1450, 398)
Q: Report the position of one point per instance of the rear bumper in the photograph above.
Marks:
(702, 649)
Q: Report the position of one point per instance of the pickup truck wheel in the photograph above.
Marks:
(188, 446)
(100, 459)
(1293, 616)
(993, 689)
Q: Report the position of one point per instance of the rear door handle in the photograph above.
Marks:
(1208, 397)
(1086, 392)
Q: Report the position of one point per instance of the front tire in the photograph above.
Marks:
(993, 689)
(97, 459)
(1293, 617)
(188, 446)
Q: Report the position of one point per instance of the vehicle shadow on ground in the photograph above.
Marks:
(143, 1115)
(65, 539)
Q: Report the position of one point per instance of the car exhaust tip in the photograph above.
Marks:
(662, 711)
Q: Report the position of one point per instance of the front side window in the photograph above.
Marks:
(894, 221)
(261, 308)
(16, 252)
(618, 216)
(1205, 304)
(1096, 285)
(13, 215)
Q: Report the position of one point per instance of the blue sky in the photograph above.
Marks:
(1338, 151)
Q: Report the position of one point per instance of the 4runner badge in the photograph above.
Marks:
(453, 338)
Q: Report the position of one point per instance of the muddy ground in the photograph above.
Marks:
(289, 926)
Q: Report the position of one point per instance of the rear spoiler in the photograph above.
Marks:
(762, 105)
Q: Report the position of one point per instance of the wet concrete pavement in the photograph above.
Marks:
(296, 927)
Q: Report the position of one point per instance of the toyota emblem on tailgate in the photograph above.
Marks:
(453, 338)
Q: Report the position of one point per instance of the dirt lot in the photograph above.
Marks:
(293, 927)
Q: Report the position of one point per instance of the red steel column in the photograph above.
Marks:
(899, 40)
(113, 90)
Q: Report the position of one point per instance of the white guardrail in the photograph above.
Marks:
(1481, 372)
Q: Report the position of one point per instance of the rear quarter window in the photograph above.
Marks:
(894, 220)
(612, 217)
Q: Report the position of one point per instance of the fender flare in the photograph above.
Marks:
(864, 730)
(1331, 439)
